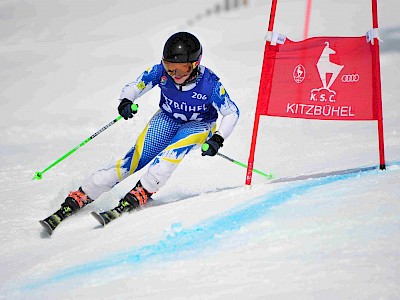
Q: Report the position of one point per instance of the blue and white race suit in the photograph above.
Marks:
(187, 116)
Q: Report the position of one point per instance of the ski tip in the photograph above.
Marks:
(46, 227)
(99, 218)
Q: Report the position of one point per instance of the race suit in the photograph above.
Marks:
(186, 118)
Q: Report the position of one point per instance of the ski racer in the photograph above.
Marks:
(191, 98)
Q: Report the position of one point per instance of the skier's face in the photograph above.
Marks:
(178, 71)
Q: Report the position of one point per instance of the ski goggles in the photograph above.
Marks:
(179, 69)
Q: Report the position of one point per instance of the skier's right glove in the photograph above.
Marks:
(125, 109)
(212, 146)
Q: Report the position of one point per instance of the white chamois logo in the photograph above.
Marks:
(299, 73)
(325, 66)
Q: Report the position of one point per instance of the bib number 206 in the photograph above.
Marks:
(199, 96)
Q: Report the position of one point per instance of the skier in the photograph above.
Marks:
(191, 97)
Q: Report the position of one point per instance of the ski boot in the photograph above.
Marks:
(136, 198)
(72, 203)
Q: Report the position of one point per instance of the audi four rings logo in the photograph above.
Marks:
(350, 78)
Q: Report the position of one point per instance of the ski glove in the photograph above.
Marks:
(212, 146)
(125, 109)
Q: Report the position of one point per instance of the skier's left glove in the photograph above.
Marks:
(125, 109)
(212, 146)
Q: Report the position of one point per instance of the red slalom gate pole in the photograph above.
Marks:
(377, 88)
(249, 172)
(307, 20)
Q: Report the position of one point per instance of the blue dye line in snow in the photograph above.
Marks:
(199, 236)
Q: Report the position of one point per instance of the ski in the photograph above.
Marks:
(107, 216)
(51, 222)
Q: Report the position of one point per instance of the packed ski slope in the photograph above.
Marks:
(328, 226)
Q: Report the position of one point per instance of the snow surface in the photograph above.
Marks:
(327, 228)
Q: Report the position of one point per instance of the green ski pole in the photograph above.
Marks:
(39, 175)
(205, 147)
(269, 176)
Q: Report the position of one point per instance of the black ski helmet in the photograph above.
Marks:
(182, 47)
